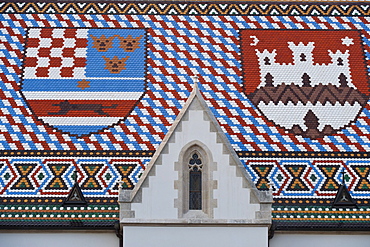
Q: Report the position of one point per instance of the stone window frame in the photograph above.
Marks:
(208, 184)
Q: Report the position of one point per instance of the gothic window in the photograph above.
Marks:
(195, 182)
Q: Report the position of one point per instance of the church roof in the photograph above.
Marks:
(64, 108)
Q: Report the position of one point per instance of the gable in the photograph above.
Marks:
(162, 192)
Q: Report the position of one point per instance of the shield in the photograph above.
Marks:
(311, 83)
(81, 81)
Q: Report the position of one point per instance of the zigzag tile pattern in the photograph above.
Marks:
(178, 47)
(186, 8)
(310, 178)
(48, 177)
(290, 178)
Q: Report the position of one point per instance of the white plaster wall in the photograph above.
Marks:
(58, 239)
(337, 239)
(158, 199)
(233, 201)
(195, 236)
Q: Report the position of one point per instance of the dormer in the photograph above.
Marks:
(195, 190)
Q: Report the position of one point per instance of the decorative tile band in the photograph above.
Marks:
(150, 153)
(206, 8)
(307, 179)
(76, 153)
(319, 213)
(54, 200)
(324, 202)
(304, 154)
(300, 179)
(41, 214)
(48, 177)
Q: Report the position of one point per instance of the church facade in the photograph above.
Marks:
(188, 123)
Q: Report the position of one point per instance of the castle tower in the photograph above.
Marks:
(266, 58)
(302, 53)
(303, 68)
(339, 58)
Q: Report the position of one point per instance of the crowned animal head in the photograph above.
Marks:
(102, 44)
(115, 65)
(129, 44)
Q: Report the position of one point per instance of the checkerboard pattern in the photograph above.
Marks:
(55, 53)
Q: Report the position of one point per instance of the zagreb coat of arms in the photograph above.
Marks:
(312, 83)
(83, 80)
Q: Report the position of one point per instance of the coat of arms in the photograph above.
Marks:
(312, 83)
(81, 81)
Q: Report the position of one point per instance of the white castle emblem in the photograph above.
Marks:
(322, 97)
(303, 63)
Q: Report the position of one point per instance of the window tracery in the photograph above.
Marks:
(195, 182)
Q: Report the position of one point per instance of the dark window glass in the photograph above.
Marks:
(195, 183)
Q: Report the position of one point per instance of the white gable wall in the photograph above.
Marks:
(158, 200)
(156, 212)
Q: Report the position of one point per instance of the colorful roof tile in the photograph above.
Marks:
(64, 108)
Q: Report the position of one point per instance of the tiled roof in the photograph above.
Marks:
(104, 217)
(58, 217)
(227, 45)
(317, 213)
(172, 57)
(321, 218)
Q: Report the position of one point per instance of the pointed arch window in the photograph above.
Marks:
(195, 182)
